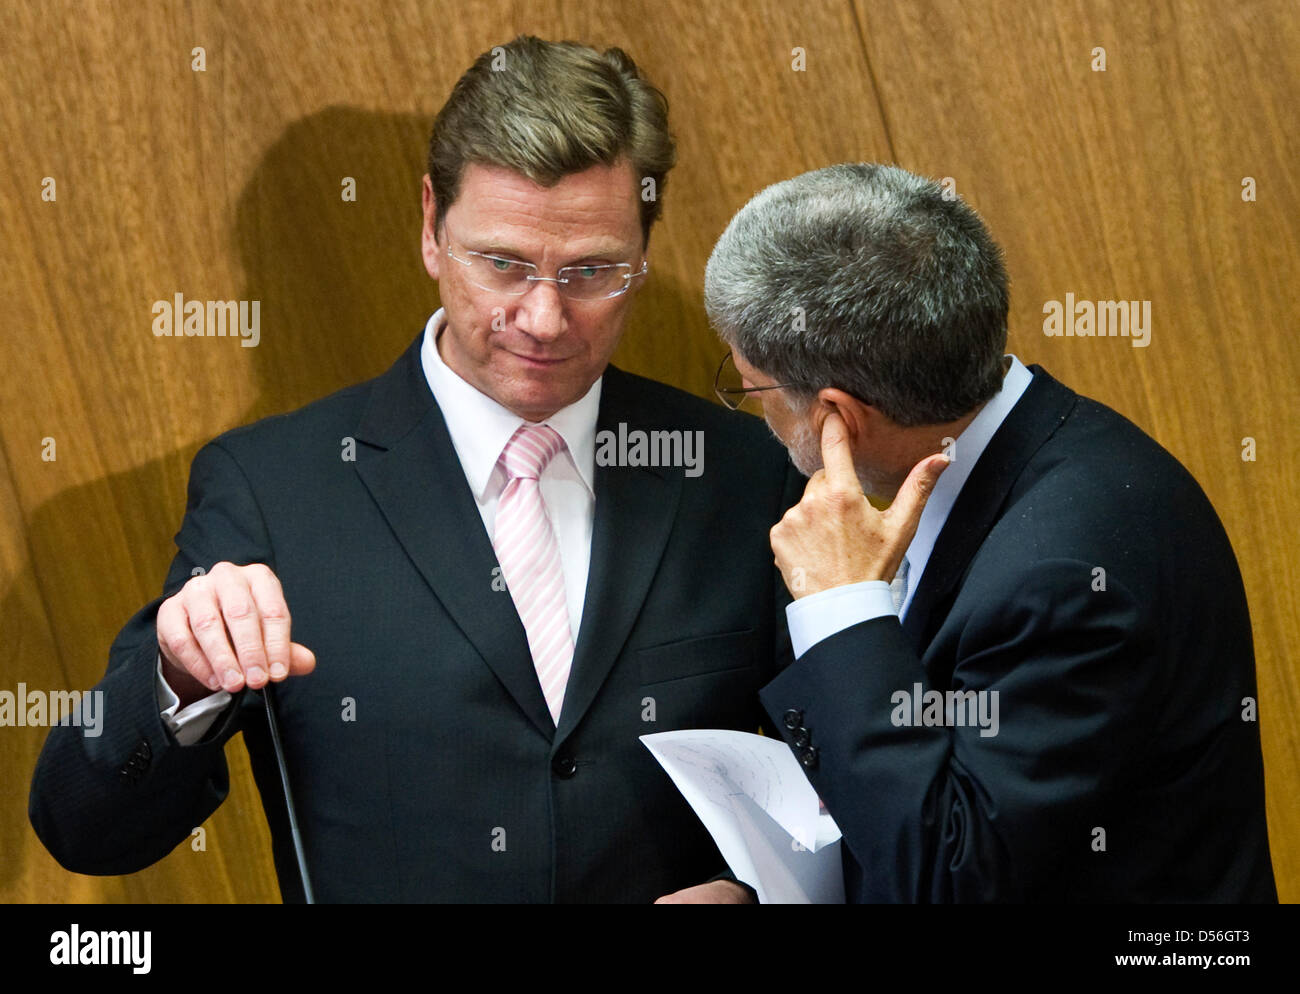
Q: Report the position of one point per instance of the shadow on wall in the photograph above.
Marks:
(343, 291)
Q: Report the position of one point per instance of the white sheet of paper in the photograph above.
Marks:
(762, 812)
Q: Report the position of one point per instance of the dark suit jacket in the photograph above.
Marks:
(1120, 709)
(451, 783)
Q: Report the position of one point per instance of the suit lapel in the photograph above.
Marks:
(1039, 412)
(419, 485)
(635, 507)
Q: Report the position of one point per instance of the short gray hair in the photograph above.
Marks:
(870, 279)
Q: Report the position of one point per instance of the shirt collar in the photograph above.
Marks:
(480, 427)
(966, 451)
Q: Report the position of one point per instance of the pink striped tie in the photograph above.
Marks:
(530, 558)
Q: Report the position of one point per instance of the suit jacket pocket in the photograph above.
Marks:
(698, 656)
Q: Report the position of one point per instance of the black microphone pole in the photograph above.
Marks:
(268, 696)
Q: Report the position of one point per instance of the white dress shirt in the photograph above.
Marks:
(821, 615)
(479, 428)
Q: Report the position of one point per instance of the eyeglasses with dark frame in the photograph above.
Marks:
(514, 278)
(731, 396)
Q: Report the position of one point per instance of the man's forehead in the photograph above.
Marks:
(597, 209)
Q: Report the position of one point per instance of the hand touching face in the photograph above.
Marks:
(834, 536)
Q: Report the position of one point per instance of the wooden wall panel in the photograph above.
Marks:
(1127, 183)
(225, 184)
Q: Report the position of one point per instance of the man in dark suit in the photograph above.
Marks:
(505, 561)
(1032, 677)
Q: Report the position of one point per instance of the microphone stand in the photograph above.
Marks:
(268, 695)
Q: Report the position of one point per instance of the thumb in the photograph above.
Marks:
(905, 512)
(301, 659)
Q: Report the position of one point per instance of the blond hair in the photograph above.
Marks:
(547, 109)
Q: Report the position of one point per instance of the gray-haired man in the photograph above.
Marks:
(1047, 701)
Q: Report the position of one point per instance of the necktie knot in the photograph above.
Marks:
(529, 451)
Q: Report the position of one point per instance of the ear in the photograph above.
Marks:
(428, 237)
(862, 420)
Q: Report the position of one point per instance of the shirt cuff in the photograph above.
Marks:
(819, 616)
(191, 723)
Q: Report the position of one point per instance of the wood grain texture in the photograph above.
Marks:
(1127, 183)
(225, 184)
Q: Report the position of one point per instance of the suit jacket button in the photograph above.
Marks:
(809, 758)
(793, 718)
(801, 738)
(564, 767)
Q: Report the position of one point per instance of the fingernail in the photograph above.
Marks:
(256, 674)
(232, 679)
(213, 682)
(278, 671)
